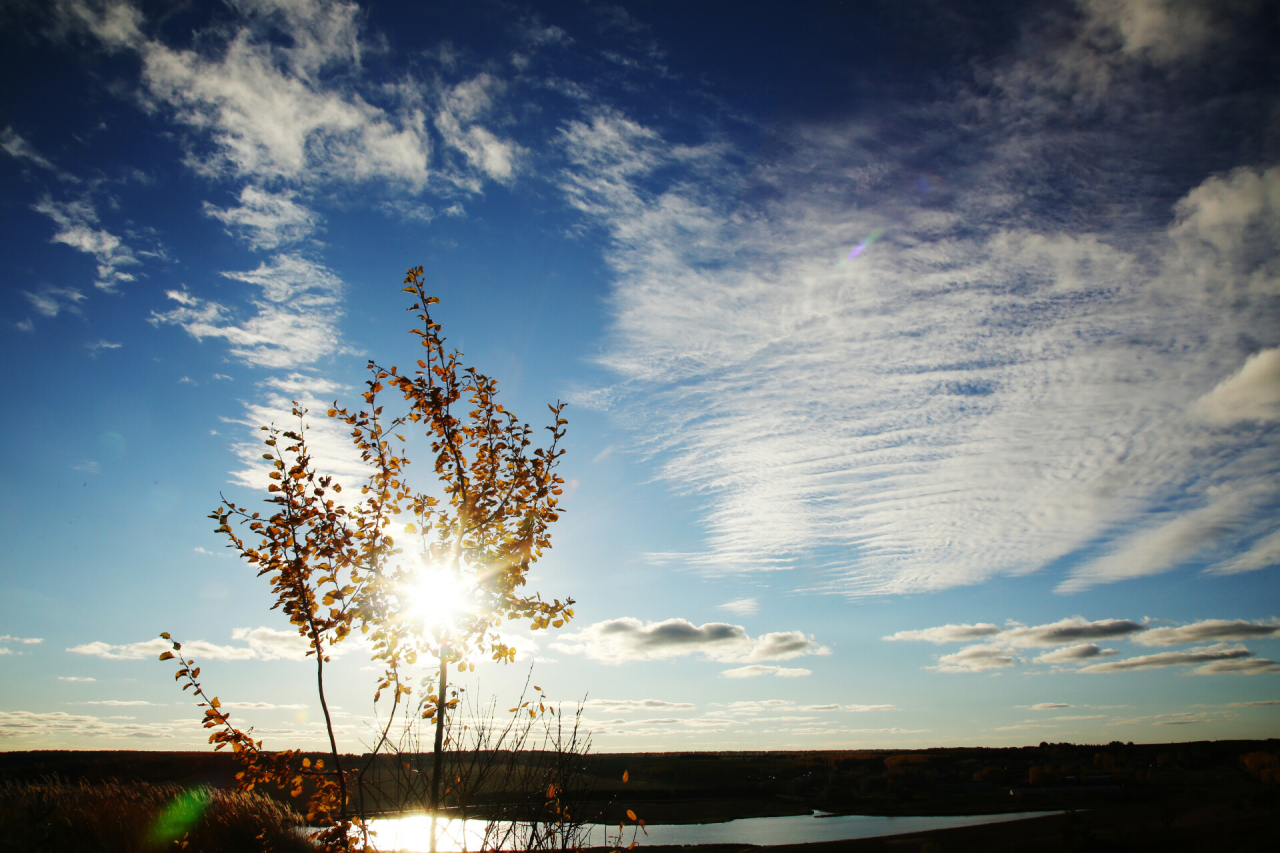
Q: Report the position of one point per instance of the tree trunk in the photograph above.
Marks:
(438, 756)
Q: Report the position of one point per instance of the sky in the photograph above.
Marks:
(922, 360)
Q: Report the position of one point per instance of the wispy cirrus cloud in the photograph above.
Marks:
(77, 227)
(296, 310)
(965, 397)
(266, 220)
(618, 705)
(757, 670)
(628, 638)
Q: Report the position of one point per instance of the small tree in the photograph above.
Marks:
(336, 568)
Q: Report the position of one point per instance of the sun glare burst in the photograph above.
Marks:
(438, 598)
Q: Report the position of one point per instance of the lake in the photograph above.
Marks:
(411, 833)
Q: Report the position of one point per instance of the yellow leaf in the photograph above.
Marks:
(631, 814)
(166, 655)
(625, 775)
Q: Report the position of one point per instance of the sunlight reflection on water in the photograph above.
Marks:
(411, 834)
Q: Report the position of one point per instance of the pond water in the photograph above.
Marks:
(411, 834)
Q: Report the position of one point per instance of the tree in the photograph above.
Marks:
(336, 567)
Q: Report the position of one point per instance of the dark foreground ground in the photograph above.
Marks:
(1219, 795)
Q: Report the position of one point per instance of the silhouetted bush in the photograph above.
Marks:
(136, 817)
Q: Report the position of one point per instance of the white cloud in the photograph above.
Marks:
(26, 641)
(18, 148)
(1210, 629)
(1049, 706)
(947, 633)
(77, 221)
(1164, 32)
(1058, 633)
(1250, 394)
(270, 644)
(628, 638)
(757, 670)
(75, 678)
(295, 321)
(328, 440)
(265, 219)
(864, 708)
(741, 606)
(1003, 380)
(1200, 655)
(262, 643)
(1073, 654)
(61, 725)
(638, 704)
(50, 301)
(1249, 666)
(118, 702)
(976, 659)
(95, 347)
(151, 650)
(1262, 554)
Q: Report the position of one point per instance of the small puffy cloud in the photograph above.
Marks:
(1071, 654)
(263, 706)
(628, 638)
(75, 678)
(821, 708)
(742, 606)
(1208, 630)
(864, 708)
(26, 641)
(119, 702)
(1049, 706)
(758, 670)
(947, 633)
(638, 704)
(976, 659)
(1199, 655)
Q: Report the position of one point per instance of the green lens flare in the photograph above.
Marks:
(180, 815)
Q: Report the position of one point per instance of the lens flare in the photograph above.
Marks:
(861, 247)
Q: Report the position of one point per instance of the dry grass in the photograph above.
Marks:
(53, 815)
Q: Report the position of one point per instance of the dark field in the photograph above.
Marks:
(1220, 795)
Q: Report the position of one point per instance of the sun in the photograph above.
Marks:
(438, 598)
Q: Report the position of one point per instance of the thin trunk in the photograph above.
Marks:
(438, 756)
(328, 724)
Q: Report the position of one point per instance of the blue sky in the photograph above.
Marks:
(923, 367)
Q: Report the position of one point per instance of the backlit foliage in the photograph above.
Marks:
(335, 566)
